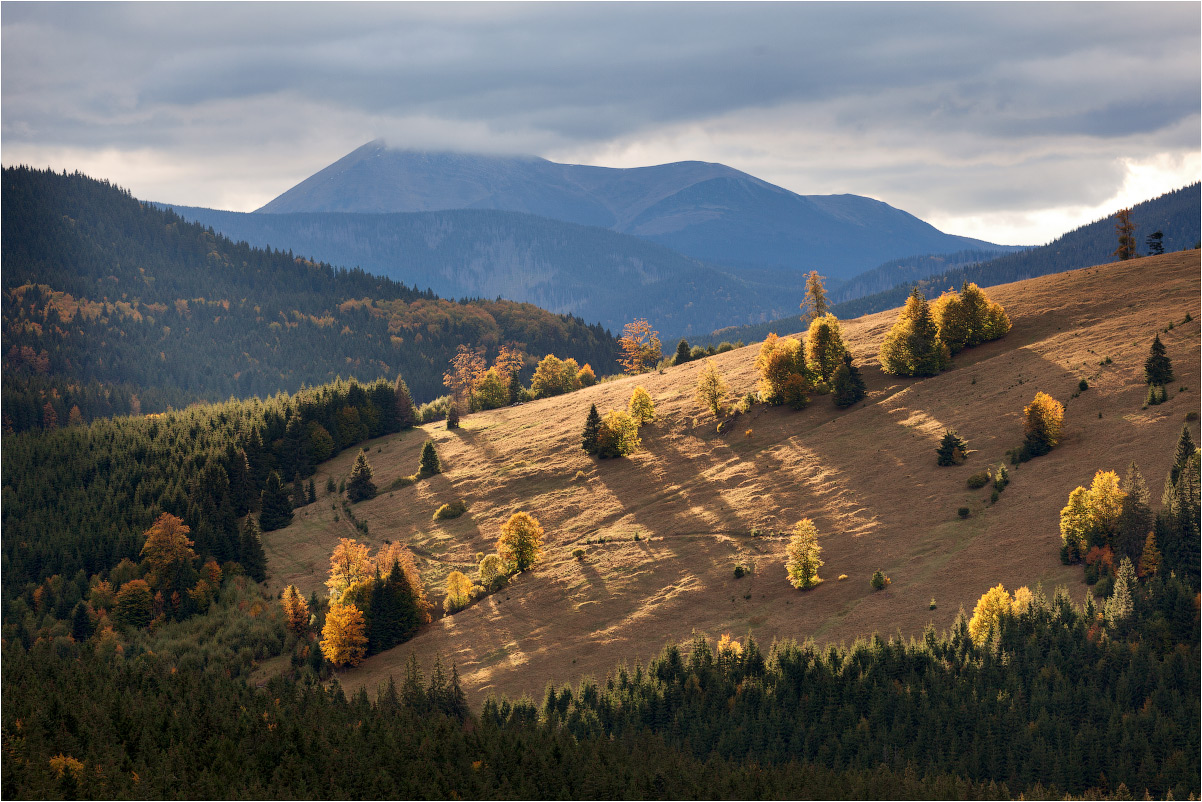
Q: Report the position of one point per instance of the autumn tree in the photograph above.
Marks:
(1074, 525)
(250, 548)
(847, 384)
(459, 592)
(467, 367)
(360, 487)
(169, 555)
(711, 389)
(1158, 368)
(618, 435)
(912, 347)
(492, 571)
(1126, 234)
(555, 376)
(344, 638)
(1105, 504)
(275, 507)
(824, 346)
(592, 430)
(641, 349)
(804, 556)
(968, 318)
(493, 390)
(987, 615)
(296, 610)
(349, 563)
(521, 541)
(815, 303)
(430, 464)
(1043, 420)
(1149, 559)
(784, 375)
(134, 605)
(641, 407)
(585, 377)
(952, 449)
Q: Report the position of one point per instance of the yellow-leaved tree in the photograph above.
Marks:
(459, 592)
(711, 389)
(804, 555)
(641, 348)
(988, 613)
(521, 541)
(1105, 503)
(784, 376)
(641, 407)
(824, 346)
(344, 637)
(296, 610)
(349, 564)
(1043, 420)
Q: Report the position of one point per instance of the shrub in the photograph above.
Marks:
(745, 403)
(841, 577)
(740, 571)
(1156, 395)
(578, 554)
(434, 410)
(932, 607)
(492, 571)
(618, 435)
(994, 496)
(879, 581)
(1083, 385)
(978, 480)
(1001, 478)
(964, 512)
(847, 383)
(451, 510)
(580, 476)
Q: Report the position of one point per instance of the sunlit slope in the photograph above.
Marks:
(691, 496)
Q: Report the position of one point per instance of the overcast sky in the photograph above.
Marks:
(1008, 122)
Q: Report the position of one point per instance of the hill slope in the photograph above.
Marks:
(707, 211)
(663, 529)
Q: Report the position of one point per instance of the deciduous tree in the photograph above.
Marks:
(344, 636)
(641, 349)
(521, 541)
(349, 563)
(912, 347)
(804, 556)
(1074, 524)
(784, 375)
(824, 346)
(296, 610)
(987, 615)
(618, 435)
(641, 407)
(1043, 420)
(815, 304)
(711, 389)
(459, 590)
(168, 553)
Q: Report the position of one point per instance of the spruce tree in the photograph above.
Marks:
(81, 623)
(1185, 450)
(404, 404)
(952, 449)
(912, 347)
(847, 383)
(360, 487)
(592, 428)
(253, 558)
(312, 491)
(683, 352)
(275, 505)
(1135, 521)
(429, 463)
(299, 498)
(1158, 368)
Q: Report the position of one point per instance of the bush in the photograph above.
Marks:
(580, 476)
(994, 496)
(578, 554)
(879, 581)
(740, 571)
(964, 512)
(841, 577)
(452, 510)
(932, 607)
(1083, 385)
(618, 436)
(978, 480)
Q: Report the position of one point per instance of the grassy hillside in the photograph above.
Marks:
(663, 529)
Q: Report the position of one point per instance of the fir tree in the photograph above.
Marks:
(683, 352)
(299, 498)
(952, 449)
(250, 547)
(429, 462)
(1158, 368)
(312, 491)
(360, 487)
(847, 383)
(592, 428)
(81, 623)
(275, 506)
(404, 404)
(1135, 520)
(1185, 449)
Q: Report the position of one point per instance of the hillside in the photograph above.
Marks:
(592, 273)
(663, 529)
(709, 212)
(1176, 214)
(115, 306)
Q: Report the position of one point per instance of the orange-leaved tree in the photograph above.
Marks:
(467, 368)
(168, 552)
(296, 610)
(344, 637)
(521, 541)
(641, 348)
(348, 564)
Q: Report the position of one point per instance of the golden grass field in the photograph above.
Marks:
(677, 516)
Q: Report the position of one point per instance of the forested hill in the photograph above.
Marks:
(1175, 214)
(115, 306)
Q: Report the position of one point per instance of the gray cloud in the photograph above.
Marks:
(975, 97)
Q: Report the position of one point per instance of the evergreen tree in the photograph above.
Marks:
(912, 347)
(824, 346)
(296, 611)
(312, 493)
(683, 352)
(430, 464)
(847, 383)
(1181, 455)
(1155, 243)
(1135, 520)
(1120, 605)
(404, 404)
(952, 449)
(81, 623)
(299, 497)
(360, 487)
(1149, 558)
(592, 428)
(253, 558)
(1158, 368)
(453, 416)
(275, 506)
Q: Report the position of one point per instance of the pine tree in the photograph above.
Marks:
(430, 464)
(952, 449)
(847, 383)
(1120, 605)
(1149, 559)
(360, 487)
(312, 495)
(592, 428)
(1126, 231)
(250, 549)
(1158, 368)
(804, 556)
(81, 623)
(521, 541)
(298, 492)
(275, 506)
(1155, 243)
(1135, 520)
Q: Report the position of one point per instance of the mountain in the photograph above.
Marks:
(116, 306)
(710, 212)
(592, 273)
(1175, 214)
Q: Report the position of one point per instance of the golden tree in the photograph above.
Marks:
(344, 638)
(641, 407)
(521, 541)
(296, 610)
(585, 376)
(988, 613)
(459, 592)
(492, 568)
(618, 435)
(784, 377)
(348, 564)
(824, 345)
(1043, 421)
(166, 550)
(804, 556)
(815, 304)
(1105, 503)
(1126, 231)
(555, 376)
(467, 368)
(1149, 561)
(913, 347)
(1074, 524)
(711, 389)
(641, 348)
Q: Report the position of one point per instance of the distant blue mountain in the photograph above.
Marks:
(710, 212)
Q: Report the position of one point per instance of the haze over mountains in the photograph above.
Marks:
(692, 246)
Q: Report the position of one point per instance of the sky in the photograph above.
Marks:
(1012, 123)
